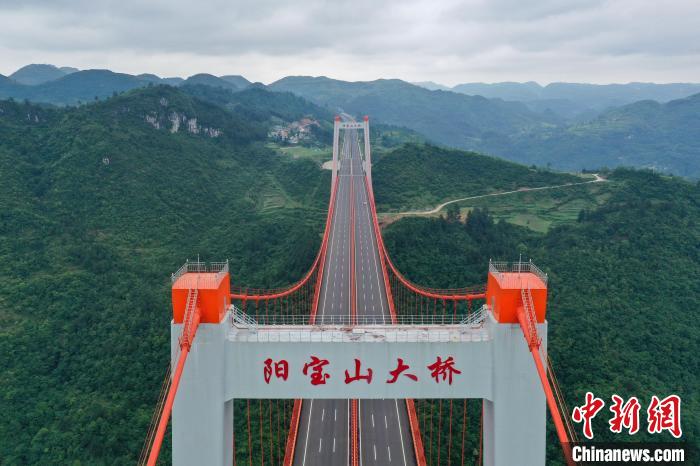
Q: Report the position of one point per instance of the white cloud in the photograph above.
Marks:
(449, 41)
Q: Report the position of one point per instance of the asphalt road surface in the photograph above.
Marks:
(324, 427)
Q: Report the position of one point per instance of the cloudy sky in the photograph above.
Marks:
(446, 41)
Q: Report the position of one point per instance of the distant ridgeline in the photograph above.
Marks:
(566, 126)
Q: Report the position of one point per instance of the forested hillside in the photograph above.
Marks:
(449, 118)
(98, 205)
(417, 176)
(71, 89)
(646, 134)
(624, 283)
(549, 127)
(643, 134)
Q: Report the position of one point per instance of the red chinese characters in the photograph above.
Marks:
(587, 412)
(665, 415)
(400, 368)
(281, 369)
(315, 369)
(443, 369)
(624, 415)
(662, 415)
(358, 375)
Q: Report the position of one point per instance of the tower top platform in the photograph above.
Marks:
(213, 288)
(509, 284)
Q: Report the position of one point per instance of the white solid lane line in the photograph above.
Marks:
(398, 418)
(308, 426)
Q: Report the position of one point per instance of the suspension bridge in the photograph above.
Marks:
(353, 343)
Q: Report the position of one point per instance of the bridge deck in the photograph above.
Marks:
(324, 434)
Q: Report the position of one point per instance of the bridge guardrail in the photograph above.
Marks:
(242, 320)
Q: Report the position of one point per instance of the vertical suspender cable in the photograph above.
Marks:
(250, 438)
(464, 425)
(481, 435)
(430, 449)
(189, 332)
(262, 442)
(439, 430)
(449, 439)
(269, 429)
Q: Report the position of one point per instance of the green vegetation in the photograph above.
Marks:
(259, 104)
(643, 134)
(72, 89)
(420, 176)
(38, 74)
(97, 206)
(446, 117)
(624, 283)
(317, 154)
(538, 210)
(384, 138)
(560, 125)
(578, 99)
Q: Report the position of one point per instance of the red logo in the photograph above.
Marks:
(665, 415)
(587, 412)
(625, 415)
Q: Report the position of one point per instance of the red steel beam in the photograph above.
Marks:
(324, 248)
(534, 346)
(418, 448)
(318, 262)
(296, 411)
(380, 248)
(168, 406)
(292, 436)
(354, 454)
(416, 289)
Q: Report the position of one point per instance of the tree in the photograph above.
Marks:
(453, 214)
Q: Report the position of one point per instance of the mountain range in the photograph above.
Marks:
(69, 86)
(445, 117)
(37, 74)
(649, 134)
(572, 100)
(562, 125)
(660, 136)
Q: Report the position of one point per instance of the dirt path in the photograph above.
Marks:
(437, 209)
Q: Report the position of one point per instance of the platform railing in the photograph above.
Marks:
(497, 268)
(240, 319)
(220, 268)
